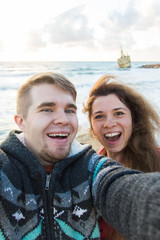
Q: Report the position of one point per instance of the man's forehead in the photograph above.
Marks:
(49, 90)
(46, 94)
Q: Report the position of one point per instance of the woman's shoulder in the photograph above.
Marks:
(103, 152)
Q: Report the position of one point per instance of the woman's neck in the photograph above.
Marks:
(119, 157)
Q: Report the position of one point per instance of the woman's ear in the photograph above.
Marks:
(19, 121)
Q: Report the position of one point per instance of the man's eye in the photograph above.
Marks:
(70, 111)
(46, 110)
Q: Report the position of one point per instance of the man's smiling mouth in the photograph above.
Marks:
(58, 135)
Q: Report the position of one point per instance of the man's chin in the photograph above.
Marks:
(55, 156)
(61, 155)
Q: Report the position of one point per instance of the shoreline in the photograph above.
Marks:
(84, 137)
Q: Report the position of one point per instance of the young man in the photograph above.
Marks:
(52, 187)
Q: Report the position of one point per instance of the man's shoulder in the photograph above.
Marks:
(2, 154)
(11, 139)
(3, 158)
(10, 145)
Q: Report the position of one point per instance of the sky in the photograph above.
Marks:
(81, 30)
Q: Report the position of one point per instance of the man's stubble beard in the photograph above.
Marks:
(52, 158)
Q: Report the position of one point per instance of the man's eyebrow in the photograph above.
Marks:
(71, 105)
(47, 104)
(52, 104)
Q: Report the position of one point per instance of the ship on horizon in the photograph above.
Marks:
(124, 61)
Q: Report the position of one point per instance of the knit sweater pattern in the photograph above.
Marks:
(66, 204)
(35, 205)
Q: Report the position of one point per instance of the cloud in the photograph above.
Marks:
(70, 28)
(113, 41)
(134, 18)
(127, 28)
(126, 19)
(2, 46)
(118, 28)
(151, 18)
(152, 52)
(35, 40)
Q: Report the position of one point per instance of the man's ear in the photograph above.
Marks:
(19, 121)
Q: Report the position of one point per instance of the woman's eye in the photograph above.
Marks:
(98, 116)
(119, 113)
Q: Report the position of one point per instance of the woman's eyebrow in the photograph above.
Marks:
(119, 108)
(97, 112)
(114, 109)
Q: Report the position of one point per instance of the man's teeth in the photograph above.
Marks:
(58, 135)
(112, 134)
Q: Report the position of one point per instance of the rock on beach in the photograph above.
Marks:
(151, 66)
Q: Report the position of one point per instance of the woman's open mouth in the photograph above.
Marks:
(112, 137)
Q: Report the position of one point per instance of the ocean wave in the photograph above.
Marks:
(7, 88)
(82, 74)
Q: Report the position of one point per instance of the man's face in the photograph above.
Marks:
(51, 123)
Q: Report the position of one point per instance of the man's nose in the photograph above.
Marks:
(60, 118)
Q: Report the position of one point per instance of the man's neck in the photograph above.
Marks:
(48, 168)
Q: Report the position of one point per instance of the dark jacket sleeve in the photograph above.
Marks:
(128, 200)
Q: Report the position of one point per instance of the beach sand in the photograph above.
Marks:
(83, 136)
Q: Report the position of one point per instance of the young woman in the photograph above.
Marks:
(125, 124)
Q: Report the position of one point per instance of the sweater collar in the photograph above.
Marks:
(76, 147)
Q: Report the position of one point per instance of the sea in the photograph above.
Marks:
(82, 74)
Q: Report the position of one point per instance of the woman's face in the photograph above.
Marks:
(111, 121)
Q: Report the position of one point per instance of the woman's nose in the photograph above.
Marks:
(109, 123)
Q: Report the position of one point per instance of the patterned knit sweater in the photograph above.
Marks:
(65, 204)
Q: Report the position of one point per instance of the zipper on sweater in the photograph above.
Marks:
(46, 203)
(48, 178)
